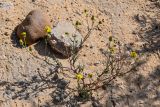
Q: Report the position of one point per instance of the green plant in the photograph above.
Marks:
(23, 42)
(116, 57)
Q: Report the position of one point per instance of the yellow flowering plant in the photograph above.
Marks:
(23, 34)
(23, 42)
(79, 76)
(133, 54)
(48, 29)
(112, 50)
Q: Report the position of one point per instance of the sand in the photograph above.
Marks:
(119, 21)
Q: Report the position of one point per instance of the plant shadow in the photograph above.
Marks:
(149, 33)
(139, 91)
(49, 84)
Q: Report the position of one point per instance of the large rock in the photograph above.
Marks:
(64, 36)
(34, 25)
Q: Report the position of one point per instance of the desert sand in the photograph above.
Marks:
(119, 21)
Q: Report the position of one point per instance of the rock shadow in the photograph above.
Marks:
(46, 50)
(14, 39)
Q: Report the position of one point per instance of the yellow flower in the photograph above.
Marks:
(21, 42)
(90, 75)
(112, 50)
(133, 54)
(79, 76)
(23, 34)
(48, 29)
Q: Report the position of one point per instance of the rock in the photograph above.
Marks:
(34, 26)
(97, 63)
(63, 36)
(6, 34)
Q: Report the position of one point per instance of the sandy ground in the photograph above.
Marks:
(118, 21)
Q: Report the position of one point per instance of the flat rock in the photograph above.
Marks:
(64, 36)
(34, 25)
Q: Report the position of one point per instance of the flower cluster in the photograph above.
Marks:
(23, 42)
(23, 34)
(48, 29)
(133, 54)
(79, 76)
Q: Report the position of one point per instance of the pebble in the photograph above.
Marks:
(96, 63)
(6, 34)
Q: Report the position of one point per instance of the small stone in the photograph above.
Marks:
(84, 55)
(7, 19)
(64, 35)
(102, 41)
(87, 45)
(34, 25)
(96, 63)
(6, 34)
(91, 47)
(6, 42)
